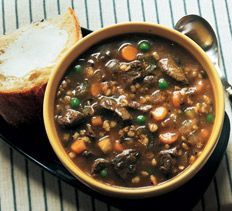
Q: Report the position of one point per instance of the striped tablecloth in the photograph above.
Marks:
(23, 185)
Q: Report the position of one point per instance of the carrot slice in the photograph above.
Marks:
(118, 147)
(159, 113)
(78, 146)
(129, 52)
(168, 137)
(95, 89)
(176, 99)
(200, 86)
(204, 133)
(96, 121)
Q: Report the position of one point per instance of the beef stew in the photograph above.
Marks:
(135, 110)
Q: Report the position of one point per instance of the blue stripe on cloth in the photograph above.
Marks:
(87, 13)
(44, 190)
(77, 199)
(30, 11)
(28, 185)
(128, 9)
(199, 7)
(3, 18)
(100, 8)
(60, 195)
(16, 14)
(228, 16)
(185, 7)
(44, 9)
(13, 178)
(157, 12)
(143, 11)
(58, 6)
(115, 13)
(217, 195)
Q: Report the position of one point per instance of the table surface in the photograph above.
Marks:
(25, 186)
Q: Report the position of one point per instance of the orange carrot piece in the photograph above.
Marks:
(118, 147)
(159, 113)
(176, 99)
(129, 52)
(200, 86)
(95, 89)
(96, 121)
(168, 137)
(78, 146)
(204, 133)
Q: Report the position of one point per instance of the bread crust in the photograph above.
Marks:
(24, 106)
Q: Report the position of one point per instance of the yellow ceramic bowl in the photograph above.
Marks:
(82, 46)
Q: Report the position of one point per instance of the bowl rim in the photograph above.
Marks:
(116, 30)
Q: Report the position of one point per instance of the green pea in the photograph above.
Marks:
(104, 173)
(144, 46)
(141, 119)
(74, 102)
(163, 84)
(78, 69)
(209, 118)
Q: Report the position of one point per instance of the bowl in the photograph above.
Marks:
(82, 46)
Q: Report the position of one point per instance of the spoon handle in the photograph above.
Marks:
(225, 83)
(229, 91)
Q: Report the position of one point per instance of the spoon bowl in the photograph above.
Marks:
(200, 31)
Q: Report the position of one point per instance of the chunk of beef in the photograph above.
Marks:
(158, 96)
(172, 151)
(105, 55)
(90, 132)
(188, 127)
(69, 118)
(98, 165)
(167, 163)
(124, 163)
(134, 70)
(138, 106)
(81, 89)
(87, 154)
(169, 66)
(113, 65)
(149, 80)
(89, 107)
(111, 104)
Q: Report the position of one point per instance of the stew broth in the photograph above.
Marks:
(134, 110)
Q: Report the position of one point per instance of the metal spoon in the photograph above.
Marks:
(200, 31)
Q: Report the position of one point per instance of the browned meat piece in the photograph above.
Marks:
(127, 72)
(138, 106)
(111, 104)
(172, 151)
(99, 164)
(188, 127)
(158, 96)
(81, 89)
(169, 66)
(150, 80)
(90, 132)
(167, 164)
(89, 107)
(123, 113)
(124, 163)
(69, 118)
(88, 154)
(112, 65)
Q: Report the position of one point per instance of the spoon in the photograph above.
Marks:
(200, 31)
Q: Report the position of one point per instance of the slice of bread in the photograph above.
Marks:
(27, 57)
